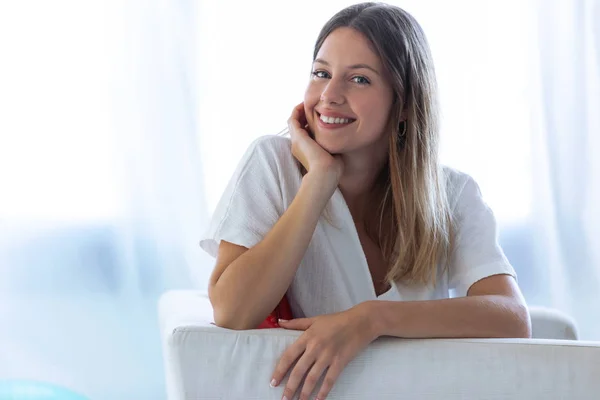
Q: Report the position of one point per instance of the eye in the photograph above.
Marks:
(320, 74)
(361, 80)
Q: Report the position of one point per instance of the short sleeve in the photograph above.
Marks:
(476, 252)
(252, 201)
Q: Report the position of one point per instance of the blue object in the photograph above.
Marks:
(32, 390)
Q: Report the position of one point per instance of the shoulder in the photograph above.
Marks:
(460, 187)
(279, 147)
(269, 162)
(274, 151)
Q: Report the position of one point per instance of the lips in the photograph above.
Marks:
(329, 122)
(334, 119)
(333, 114)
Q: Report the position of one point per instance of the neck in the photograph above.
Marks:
(358, 182)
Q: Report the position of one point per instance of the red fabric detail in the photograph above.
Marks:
(282, 311)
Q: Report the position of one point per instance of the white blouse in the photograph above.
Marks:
(334, 275)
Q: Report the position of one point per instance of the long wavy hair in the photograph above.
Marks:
(412, 223)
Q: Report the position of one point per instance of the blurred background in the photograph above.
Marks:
(122, 121)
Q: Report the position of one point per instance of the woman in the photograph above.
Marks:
(354, 218)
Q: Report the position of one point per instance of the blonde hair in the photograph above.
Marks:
(418, 232)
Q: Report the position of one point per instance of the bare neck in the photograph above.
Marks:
(358, 183)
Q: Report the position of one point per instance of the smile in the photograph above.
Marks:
(334, 120)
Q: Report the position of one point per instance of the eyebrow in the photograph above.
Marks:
(355, 66)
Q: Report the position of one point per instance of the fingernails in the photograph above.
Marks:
(273, 383)
(283, 320)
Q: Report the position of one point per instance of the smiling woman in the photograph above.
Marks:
(409, 248)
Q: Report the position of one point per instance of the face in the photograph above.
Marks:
(348, 99)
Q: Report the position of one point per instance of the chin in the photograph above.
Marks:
(333, 142)
(329, 145)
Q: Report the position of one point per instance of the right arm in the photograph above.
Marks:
(247, 284)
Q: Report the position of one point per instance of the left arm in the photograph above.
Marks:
(494, 307)
(490, 304)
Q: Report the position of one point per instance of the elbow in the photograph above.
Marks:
(525, 331)
(521, 330)
(520, 327)
(228, 324)
(228, 321)
(228, 317)
(513, 321)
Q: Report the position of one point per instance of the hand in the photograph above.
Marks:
(313, 157)
(328, 344)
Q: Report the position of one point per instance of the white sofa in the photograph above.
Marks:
(203, 361)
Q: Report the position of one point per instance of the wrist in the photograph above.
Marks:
(323, 183)
(370, 312)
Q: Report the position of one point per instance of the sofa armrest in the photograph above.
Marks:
(207, 362)
(548, 323)
(178, 309)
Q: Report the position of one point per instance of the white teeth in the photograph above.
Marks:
(332, 120)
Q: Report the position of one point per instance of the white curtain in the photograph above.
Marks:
(101, 191)
(566, 166)
(121, 122)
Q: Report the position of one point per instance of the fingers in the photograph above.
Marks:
(299, 116)
(298, 324)
(304, 364)
(298, 135)
(297, 120)
(298, 113)
(313, 367)
(332, 375)
(313, 377)
(285, 362)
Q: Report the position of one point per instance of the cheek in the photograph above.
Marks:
(375, 121)
(377, 113)
(311, 95)
(311, 99)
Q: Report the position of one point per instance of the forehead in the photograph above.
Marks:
(346, 46)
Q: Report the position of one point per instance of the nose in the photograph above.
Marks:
(332, 93)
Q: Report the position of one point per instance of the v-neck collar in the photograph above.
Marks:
(345, 217)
